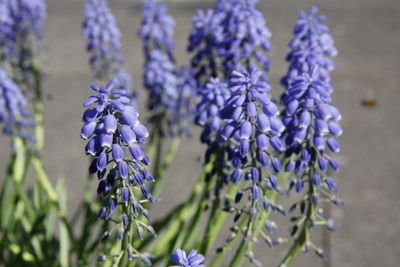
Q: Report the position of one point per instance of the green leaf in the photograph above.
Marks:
(19, 163)
(43, 179)
(8, 204)
(64, 234)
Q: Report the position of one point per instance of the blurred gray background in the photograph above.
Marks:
(367, 35)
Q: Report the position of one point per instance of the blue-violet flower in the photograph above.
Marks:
(194, 259)
(157, 28)
(13, 113)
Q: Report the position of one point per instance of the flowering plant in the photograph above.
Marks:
(264, 158)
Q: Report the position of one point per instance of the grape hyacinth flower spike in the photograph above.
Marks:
(13, 113)
(232, 34)
(194, 259)
(157, 28)
(20, 19)
(246, 35)
(103, 37)
(161, 81)
(204, 41)
(160, 76)
(311, 130)
(115, 141)
(253, 127)
(103, 42)
(183, 114)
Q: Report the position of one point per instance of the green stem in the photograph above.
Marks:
(185, 212)
(240, 254)
(216, 262)
(158, 160)
(245, 246)
(89, 208)
(125, 241)
(19, 163)
(193, 228)
(45, 183)
(163, 165)
(44, 179)
(303, 236)
(215, 221)
(38, 105)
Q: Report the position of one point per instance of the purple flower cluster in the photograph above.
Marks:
(160, 77)
(115, 141)
(7, 36)
(185, 107)
(311, 45)
(311, 127)
(103, 39)
(18, 19)
(235, 32)
(308, 113)
(171, 92)
(246, 35)
(13, 113)
(157, 28)
(125, 81)
(204, 40)
(194, 259)
(161, 81)
(252, 126)
(212, 99)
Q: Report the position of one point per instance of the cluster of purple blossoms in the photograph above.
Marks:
(19, 19)
(157, 28)
(161, 80)
(160, 77)
(115, 141)
(125, 80)
(252, 126)
(311, 45)
(235, 32)
(204, 40)
(171, 92)
(103, 39)
(212, 99)
(13, 113)
(185, 107)
(247, 36)
(7, 37)
(194, 259)
(311, 127)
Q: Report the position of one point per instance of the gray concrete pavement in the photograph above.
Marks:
(367, 34)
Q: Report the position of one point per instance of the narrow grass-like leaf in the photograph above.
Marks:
(64, 236)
